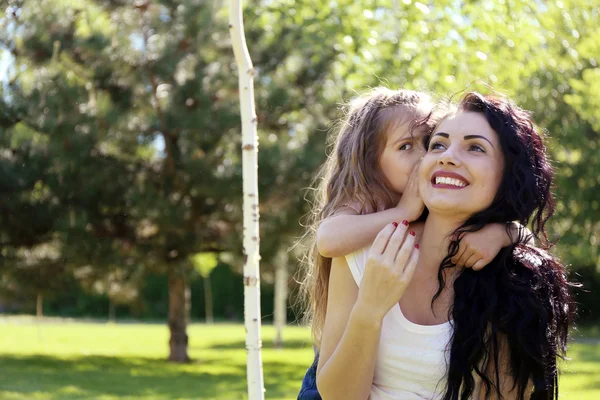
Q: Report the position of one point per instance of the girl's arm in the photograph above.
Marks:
(478, 249)
(348, 231)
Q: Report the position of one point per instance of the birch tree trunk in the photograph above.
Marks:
(246, 74)
(281, 296)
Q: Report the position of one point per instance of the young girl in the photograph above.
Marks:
(368, 182)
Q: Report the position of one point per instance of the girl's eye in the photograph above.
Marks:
(405, 146)
(476, 147)
(436, 146)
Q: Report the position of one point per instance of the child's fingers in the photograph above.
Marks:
(409, 270)
(381, 241)
(463, 254)
(395, 242)
(413, 179)
(461, 249)
(469, 254)
(472, 260)
(479, 265)
(415, 169)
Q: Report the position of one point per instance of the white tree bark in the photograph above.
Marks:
(250, 187)
(281, 295)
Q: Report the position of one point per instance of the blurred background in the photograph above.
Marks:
(120, 172)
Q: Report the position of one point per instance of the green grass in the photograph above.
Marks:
(79, 360)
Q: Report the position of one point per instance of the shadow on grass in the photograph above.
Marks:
(96, 376)
(91, 377)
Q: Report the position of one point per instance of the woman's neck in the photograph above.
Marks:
(435, 240)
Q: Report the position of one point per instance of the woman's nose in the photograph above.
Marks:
(448, 157)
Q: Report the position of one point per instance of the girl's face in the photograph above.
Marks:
(463, 167)
(401, 153)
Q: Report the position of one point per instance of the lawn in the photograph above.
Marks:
(59, 359)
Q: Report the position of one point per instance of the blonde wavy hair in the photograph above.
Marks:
(351, 177)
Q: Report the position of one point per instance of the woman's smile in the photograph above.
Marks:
(448, 180)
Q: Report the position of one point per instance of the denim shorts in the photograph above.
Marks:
(309, 391)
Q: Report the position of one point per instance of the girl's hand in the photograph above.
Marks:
(411, 203)
(390, 267)
(478, 249)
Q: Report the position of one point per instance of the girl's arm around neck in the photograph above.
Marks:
(348, 231)
(349, 341)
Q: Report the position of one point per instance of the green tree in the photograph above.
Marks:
(105, 83)
(120, 124)
(138, 111)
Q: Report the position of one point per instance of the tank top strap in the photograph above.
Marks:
(357, 262)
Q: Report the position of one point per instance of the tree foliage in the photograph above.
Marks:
(120, 124)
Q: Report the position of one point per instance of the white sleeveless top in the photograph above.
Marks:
(412, 359)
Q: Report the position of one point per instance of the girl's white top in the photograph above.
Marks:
(412, 359)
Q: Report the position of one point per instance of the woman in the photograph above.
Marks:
(455, 333)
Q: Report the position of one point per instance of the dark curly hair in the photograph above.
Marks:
(519, 303)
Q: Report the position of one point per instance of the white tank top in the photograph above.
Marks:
(412, 359)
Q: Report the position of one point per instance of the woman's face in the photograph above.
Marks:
(462, 169)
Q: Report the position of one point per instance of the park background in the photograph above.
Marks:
(120, 173)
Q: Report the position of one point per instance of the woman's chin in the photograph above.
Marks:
(461, 209)
(449, 206)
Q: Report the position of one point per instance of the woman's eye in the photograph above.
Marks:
(476, 147)
(436, 146)
(405, 146)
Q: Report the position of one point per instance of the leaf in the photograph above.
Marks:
(204, 263)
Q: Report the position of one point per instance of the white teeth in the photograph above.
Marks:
(449, 181)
